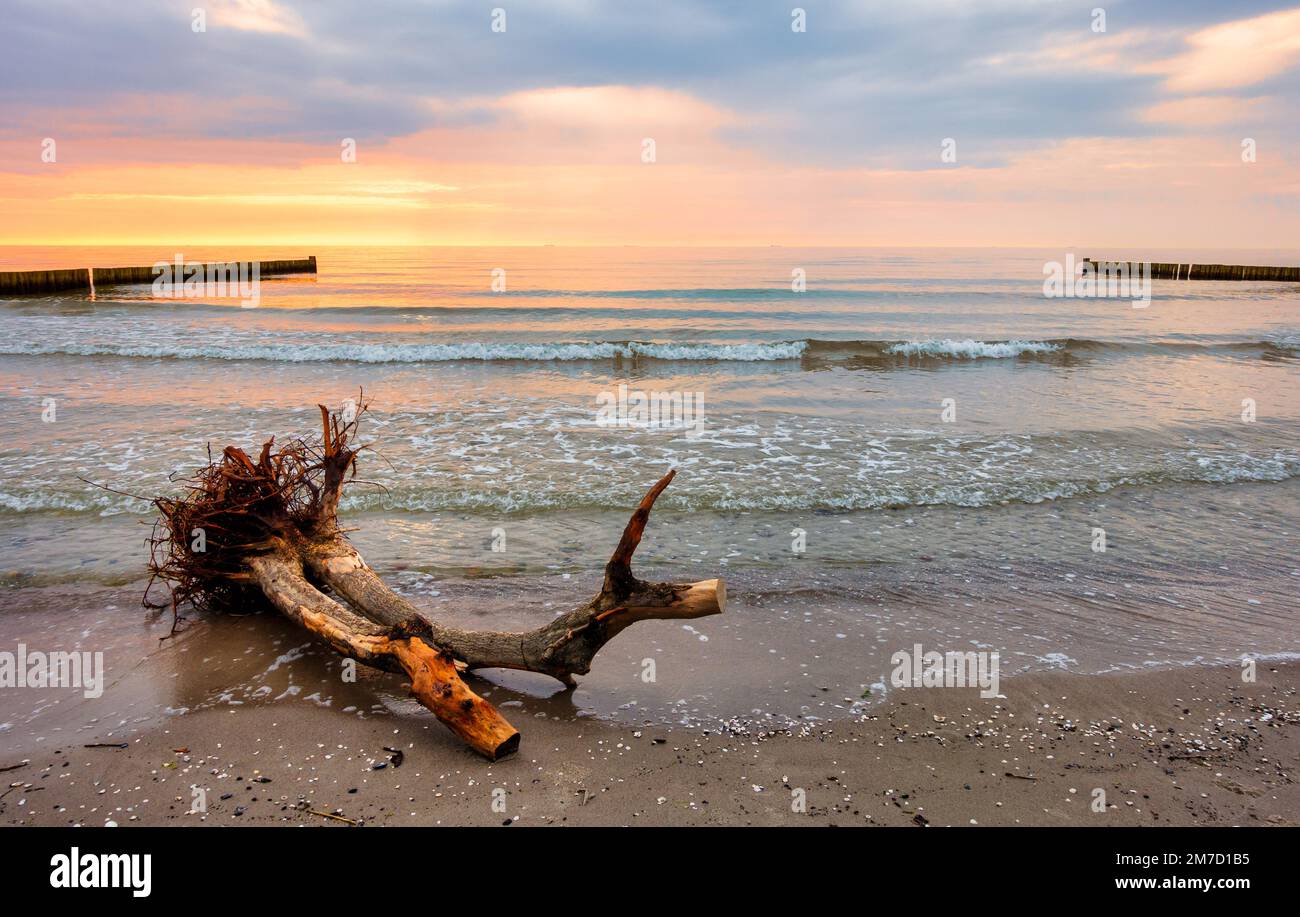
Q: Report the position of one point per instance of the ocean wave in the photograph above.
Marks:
(1189, 469)
(429, 353)
(971, 349)
(879, 353)
(887, 352)
(967, 495)
(47, 501)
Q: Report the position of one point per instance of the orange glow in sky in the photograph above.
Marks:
(567, 165)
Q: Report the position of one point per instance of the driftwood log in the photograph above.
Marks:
(248, 532)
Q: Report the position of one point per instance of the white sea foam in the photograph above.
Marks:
(711, 493)
(970, 349)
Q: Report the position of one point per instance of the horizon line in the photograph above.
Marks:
(610, 245)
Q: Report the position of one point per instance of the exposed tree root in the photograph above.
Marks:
(267, 531)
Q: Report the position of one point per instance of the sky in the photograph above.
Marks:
(579, 122)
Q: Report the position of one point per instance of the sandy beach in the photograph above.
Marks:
(1187, 746)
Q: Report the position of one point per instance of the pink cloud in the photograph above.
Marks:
(1236, 54)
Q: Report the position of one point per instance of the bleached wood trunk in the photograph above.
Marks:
(378, 627)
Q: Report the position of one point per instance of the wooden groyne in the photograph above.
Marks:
(81, 278)
(120, 276)
(1168, 271)
(300, 266)
(44, 281)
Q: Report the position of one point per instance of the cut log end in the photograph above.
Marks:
(508, 747)
(707, 597)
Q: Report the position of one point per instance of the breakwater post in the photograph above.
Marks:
(44, 281)
(82, 278)
(1169, 271)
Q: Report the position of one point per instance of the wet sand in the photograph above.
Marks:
(1191, 745)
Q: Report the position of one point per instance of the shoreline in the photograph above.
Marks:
(810, 645)
(1186, 746)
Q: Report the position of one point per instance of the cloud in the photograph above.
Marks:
(604, 108)
(874, 83)
(1233, 55)
(763, 134)
(1203, 111)
(257, 16)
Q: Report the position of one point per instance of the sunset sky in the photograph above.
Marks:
(1064, 135)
